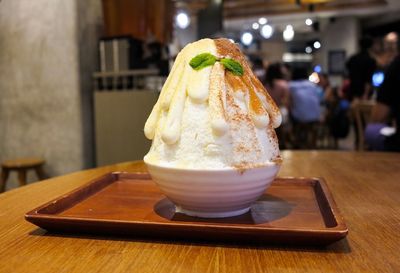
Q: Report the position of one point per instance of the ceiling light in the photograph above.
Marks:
(288, 33)
(378, 78)
(262, 21)
(317, 45)
(318, 68)
(247, 38)
(309, 22)
(314, 78)
(308, 49)
(391, 37)
(255, 26)
(182, 20)
(267, 31)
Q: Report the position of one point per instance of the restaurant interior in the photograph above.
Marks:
(199, 135)
(79, 81)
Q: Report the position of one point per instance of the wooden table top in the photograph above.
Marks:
(366, 188)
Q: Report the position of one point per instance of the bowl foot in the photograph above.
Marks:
(208, 214)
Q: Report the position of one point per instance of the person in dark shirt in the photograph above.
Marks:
(360, 68)
(388, 104)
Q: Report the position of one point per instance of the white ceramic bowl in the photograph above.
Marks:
(213, 193)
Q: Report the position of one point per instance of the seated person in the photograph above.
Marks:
(278, 88)
(276, 84)
(387, 106)
(305, 109)
(305, 98)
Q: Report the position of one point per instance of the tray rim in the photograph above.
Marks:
(340, 229)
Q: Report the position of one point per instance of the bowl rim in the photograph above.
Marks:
(227, 169)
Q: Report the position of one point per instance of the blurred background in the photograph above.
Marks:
(79, 78)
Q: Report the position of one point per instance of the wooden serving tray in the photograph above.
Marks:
(292, 211)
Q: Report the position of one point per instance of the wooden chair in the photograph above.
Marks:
(305, 135)
(21, 166)
(361, 113)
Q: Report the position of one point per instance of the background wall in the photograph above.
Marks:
(273, 50)
(120, 118)
(181, 37)
(342, 34)
(45, 101)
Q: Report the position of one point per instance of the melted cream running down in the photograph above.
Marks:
(211, 118)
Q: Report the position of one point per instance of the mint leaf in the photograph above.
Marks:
(207, 59)
(234, 66)
(202, 60)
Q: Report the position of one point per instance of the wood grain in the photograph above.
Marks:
(366, 188)
(139, 18)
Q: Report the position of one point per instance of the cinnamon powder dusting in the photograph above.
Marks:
(246, 148)
(226, 48)
(250, 84)
(235, 82)
(255, 102)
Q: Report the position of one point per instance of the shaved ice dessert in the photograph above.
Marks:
(214, 148)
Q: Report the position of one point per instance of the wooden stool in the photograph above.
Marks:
(361, 112)
(21, 166)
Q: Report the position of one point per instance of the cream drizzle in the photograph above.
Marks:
(168, 92)
(163, 100)
(276, 119)
(175, 90)
(217, 101)
(151, 122)
(171, 131)
(268, 104)
(199, 85)
(208, 83)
